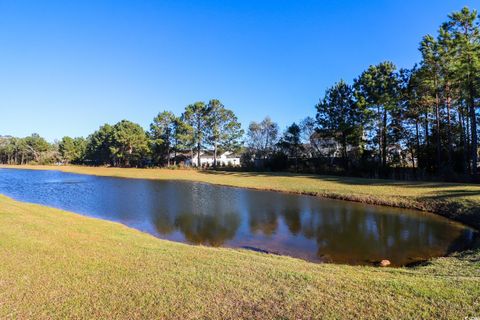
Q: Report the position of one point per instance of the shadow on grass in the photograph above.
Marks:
(342, 179)
(451, 194)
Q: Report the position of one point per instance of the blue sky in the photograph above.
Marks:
(66, 67)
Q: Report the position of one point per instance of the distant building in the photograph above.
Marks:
(324, 144)
(206, 159)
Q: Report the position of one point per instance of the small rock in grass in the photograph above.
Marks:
(384, 263)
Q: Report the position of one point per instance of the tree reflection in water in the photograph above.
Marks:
(208, 229)
(315, 229)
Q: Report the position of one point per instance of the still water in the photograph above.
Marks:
(306, 227)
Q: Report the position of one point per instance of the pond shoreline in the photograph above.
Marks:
(465, 212)
(303, 227)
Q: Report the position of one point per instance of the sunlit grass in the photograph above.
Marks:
(56, 264)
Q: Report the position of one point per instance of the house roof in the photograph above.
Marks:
(209, 154)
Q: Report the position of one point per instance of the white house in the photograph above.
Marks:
(206, 159)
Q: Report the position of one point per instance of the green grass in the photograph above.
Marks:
(457, 201)
(56, 264)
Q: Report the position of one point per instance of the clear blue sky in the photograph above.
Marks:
(66, 67)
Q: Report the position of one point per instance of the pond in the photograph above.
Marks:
(306, 227)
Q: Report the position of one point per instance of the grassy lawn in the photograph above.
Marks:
(457, 201)
(57, 264)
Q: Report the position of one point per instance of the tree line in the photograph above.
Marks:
(125, 144)
(26, 150)
(421, 121)
(201, 125)
(425, 117)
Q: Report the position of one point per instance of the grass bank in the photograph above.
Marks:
(456, 201)
(57, 264)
